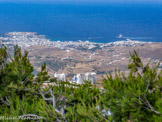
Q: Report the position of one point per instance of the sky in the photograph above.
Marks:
(86, 1)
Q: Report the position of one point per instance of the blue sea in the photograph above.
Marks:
(72, 22)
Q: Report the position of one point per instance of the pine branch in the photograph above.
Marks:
(7, 102)
(53, 99)
(151, 108)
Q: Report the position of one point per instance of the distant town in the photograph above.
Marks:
(27, 39)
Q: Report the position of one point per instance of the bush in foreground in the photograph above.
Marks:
(136, 97)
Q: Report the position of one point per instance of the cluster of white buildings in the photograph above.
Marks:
(127, 42)
(26, 39)
(78, 78)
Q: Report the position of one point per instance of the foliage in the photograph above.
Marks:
(42, 75)
(135, 97)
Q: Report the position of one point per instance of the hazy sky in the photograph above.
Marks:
(88, 1)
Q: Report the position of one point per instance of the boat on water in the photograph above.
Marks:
(120, 36)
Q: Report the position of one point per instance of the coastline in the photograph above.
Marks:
(27, 39)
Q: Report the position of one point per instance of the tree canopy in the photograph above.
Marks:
(133, 97)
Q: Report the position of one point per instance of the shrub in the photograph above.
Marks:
(136, 97)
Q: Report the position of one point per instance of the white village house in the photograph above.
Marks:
(60, 77)
(80, 78)
(91, 76)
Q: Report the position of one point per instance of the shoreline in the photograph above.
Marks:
(12, 35)
(27, 39)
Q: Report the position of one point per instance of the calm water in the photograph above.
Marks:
(99, 23)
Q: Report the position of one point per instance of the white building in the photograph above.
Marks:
(60, 77)
(80, 78)
(91, 76)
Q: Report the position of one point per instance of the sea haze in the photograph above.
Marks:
(98, 23)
